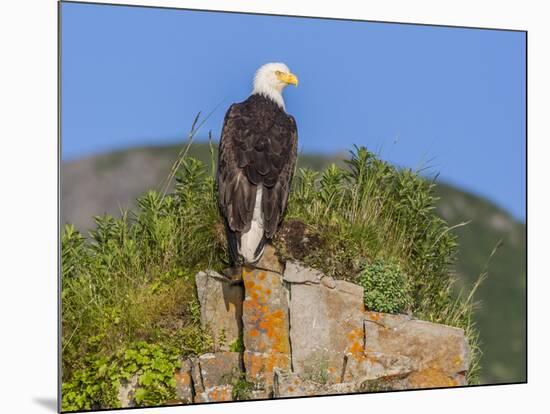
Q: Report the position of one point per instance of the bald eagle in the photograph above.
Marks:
(257, 155)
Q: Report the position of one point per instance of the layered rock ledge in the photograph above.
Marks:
(299, 332)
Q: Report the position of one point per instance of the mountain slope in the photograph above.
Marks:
(109, 182)
(502, 312)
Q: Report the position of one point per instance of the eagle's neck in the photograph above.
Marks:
(270, 93)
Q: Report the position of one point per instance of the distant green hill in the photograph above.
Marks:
(502, 313)
(106, 183)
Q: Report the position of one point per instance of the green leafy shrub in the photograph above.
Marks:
(386, 287)
(98, 383)
(91, 387)
(155, 367)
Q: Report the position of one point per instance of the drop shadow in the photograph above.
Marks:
(48, 403)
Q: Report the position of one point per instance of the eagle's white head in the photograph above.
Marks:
(271, 79)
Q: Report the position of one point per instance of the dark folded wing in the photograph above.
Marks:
(277, 182)
(236, 194)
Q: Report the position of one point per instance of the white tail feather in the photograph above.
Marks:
(252, 238)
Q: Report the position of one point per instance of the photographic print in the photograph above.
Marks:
(259, 206)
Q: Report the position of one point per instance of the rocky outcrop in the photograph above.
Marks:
(127, 391)
(184, 382)
(327, 324)
(266, 334)
(221, 308)
(432, 355)
(304, 334)
(289, 384)
(213, 375)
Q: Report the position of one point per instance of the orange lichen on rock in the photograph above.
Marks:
(356, 346)
(183, 378)
(435, 355)
(430, 378)
(260, 366)
(265, 312)
(184, 387)
(269, 327)
(215, 394)
(265, 325)
(373, 316)
(219, 394)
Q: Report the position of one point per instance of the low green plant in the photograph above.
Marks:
(316, 368)
(386, 287)
(98, 383)
(242, 389)
(156, 367)
(93, 386)
(237, 345)
(192, 340)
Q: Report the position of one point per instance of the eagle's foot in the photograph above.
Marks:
(233, 275)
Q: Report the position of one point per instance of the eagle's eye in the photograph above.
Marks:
(278, 73)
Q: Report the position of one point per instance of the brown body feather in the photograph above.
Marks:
(257, 148)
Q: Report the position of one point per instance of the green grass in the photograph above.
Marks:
(132, 281)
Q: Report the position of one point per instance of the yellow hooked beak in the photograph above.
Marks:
(288, 78)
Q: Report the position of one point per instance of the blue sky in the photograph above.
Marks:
(451, 99)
